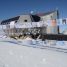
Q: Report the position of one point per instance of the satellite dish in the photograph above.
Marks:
(32, 12)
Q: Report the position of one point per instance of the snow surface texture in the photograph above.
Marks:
(19, 53)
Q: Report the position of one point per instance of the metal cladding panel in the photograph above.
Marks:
(24, 18)
(50, 16)
(53, 23)
(52, 29)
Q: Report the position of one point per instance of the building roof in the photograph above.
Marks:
(47, 13)
(35, 16)
(9, 20)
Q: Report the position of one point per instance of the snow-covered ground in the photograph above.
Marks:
(15, 53)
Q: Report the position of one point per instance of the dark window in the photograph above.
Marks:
(64, 21)
(25, 20)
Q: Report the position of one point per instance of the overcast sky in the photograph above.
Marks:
(11, 8)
